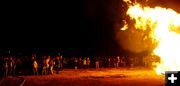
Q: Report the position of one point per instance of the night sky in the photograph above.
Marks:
(76, 27)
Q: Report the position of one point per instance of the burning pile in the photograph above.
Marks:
(163, 25)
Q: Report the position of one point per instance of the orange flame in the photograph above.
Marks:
(163, 24)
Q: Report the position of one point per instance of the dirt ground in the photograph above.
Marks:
(94, 77)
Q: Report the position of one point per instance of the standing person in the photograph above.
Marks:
(52, 63)
(44, 65)
(117, 61)
(5, 67)
(65, 62)
(106, 62)
(80, 63)
(19, 65)
(109, 62)
(35, 68)
(61, 62)
(84, 63)
(76, 63)
(100, 60)
(32, 64)
(131, 62)
(88, 62)
(97, 64)
(14, 66)
(57, 64)
(10, 65)
(122, 61)
(47, 63)
(114, 62)
(40, 65)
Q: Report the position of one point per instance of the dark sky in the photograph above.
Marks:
(74, 26)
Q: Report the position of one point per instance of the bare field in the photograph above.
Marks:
(100, 77)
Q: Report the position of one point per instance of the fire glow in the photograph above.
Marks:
(163, 24)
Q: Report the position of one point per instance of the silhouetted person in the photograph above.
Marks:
(84, 63)
(97, 64)
(14, 66)
(61, 62)
(88, 62)
(10, 66)
(44, 67)
(52, 63)
(109, 62)
(57, 64)
(6, 67)
(117, 61)
(114, 62)
(47, 64)
(80, 63)
(123, 61)
(35, 68)
(76, 63)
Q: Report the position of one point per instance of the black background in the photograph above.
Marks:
(77, 27)
(70, 26)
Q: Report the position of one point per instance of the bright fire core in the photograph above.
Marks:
(163, 25)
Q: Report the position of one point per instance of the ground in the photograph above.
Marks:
(93, 77)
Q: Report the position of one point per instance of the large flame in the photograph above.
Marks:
(163, 25)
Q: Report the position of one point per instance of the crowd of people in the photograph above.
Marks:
(10, 66)
(43, 65)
